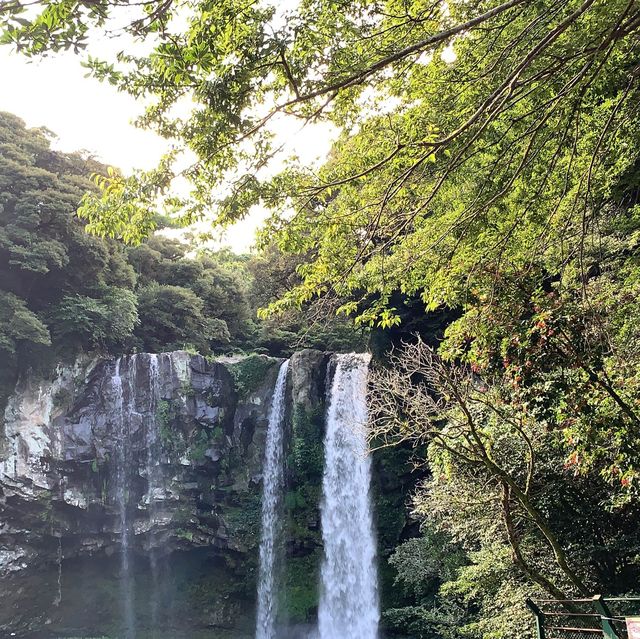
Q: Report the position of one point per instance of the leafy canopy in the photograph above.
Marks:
(488, 162)
(500, 154)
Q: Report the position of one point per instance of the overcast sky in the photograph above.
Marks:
(86, 114)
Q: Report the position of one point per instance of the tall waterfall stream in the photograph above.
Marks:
(123, 410)
(155, 481)
(348, 599)
(348, 607)
(273, 484)
(124, 383)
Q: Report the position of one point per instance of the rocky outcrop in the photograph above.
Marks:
(165, 452)
(308, 378)
(169, 446)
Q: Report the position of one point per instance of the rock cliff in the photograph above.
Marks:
(174, 439)
(161, 454)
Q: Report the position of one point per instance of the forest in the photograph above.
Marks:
(65, 291)
(475, 226)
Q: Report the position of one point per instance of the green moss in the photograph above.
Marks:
(217, 434)
(186, 390)
(202, 440)
(184, 534)
(300, 597)
(294, 499)
(46, 515)
(393, 479)
(391, 518)
(199, 445)
(249, 373)
(182, 515)
(164, 415)
(62, 398)
(302, 507)
(305, 462)
(306, 456)
(244, 519)
(167, 416)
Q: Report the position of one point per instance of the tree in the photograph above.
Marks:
(19, 325)
(314, 326)
(467, 423)
(173, 318)
(500, 485)
(219, 278)
(423, 565)
(500, 136)
(537, 98)
(87, 322)
(50, 268)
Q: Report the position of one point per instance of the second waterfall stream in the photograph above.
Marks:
(349, 606)
(273, 486)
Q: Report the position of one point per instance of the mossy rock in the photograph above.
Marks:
(299, 603)
(244, 520)
(306, 453)
(249, 373)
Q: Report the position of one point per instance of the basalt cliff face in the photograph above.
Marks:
(135, 484)
(167, 447)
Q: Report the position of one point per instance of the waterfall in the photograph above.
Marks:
(58, 600)
(122, 475)
(154, 479)
(133, 409)
(273, 483)
(348, 607)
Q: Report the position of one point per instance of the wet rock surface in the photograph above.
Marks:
(168, 448)
(186, 437)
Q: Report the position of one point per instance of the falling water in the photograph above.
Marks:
(273, 482)
(154, 479)
(123, 411)
(348, 606)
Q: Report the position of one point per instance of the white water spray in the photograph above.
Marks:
(154, 478)
(273, 484)
(348, 606)
(58, 600)
(123, 410)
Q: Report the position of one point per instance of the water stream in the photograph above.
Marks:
(155, 482)
(348, 607)
(122, 477)
(272, 496)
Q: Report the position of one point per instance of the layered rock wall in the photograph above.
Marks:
(169, 448)
(190, 434)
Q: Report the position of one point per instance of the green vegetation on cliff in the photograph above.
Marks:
(304, 464)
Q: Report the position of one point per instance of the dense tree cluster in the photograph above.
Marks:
(68, 291)
(63, 291)
(505, 496)
(58, 284)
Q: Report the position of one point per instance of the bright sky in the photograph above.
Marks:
(86, 114)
